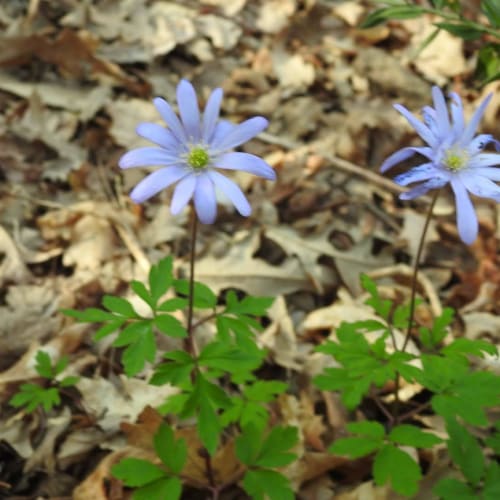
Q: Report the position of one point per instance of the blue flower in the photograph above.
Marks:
(189, 152)
(454, 155)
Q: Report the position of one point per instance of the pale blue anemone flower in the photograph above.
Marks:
(454, 155)
(189, 152)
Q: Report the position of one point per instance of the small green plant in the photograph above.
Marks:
(32, 396)
(457, 392)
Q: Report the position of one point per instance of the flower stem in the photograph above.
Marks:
(189, 345)
(397, 381)
(416, 268)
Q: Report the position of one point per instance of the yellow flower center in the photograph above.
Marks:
(456, 159)
(198, 158)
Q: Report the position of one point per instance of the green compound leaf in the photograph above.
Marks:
(410, 435)
(176, 372)
(491, 486)
(261, 484)
(273, 451)
(254, 306)
(264, 390)
(395, 12)
(465, 451)
(166, 488)
(203, 297)
(171, 305)
(367, 428)
(109, 328)
(170, 326)
(172, 452)
(463, 347)
(160, 279)
(31, 396)
(69, 381)
(140, 289)
(394, 465)
(136, 354)
(232, 359)
(453, 489)
(119, 306)
(132, 333)
(381, 306)
(90, 315)
(136, 472)
(432, 337)
(44, 365)
(370, 439)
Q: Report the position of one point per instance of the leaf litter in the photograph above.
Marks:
(75, 78)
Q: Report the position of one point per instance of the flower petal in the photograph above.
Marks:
(205, 202)
(171, 119)
(211, 115)
(480, 186)
(245, 162)
(491, 173)
(457, 114)
(466, 216)
(241, 133)
(479, 143)
(485, 160)
(423, 189)
(156, 181)
(189, 110)
(222, 128)
(142, 157)
(442, 118)
(159, 135)
(471, 128)
(422, 130)
(232, 191)
(183, 193)
(417, 174)
(404, 154)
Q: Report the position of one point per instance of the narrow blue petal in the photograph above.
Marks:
(211, 115)
(183, 193)
(232, 191)
(156, 181)
(142, 157)
(245, 162)
(222, 129)
(159, 135)
(480, 186)
(189, 110)
(485, 160)
(422, 130)
(479, 143)
(471, 128)
(417, 174)
(404, 154)
(241, 133)
(430, 119)
(466, 216)
(171, 119)
(423, 189)
(457, 114)
(442, 118)
(205, 202)
(491, 173)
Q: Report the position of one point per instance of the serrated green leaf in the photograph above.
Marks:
(491, 485)
(355, 447)
(140, 289)
(69, 381)
(160, 278)
(172, 452)
(395, 12)
(31, 396)
(208, 425)
(275, 450)
(394, 465)
(174, 404)
(170, 326)
(61, 365)
(119, 306)
(465, 451)
(264, 390)
(410, 435)
(171, 305)
(267, 483)
(368, 428)
(254, 306)
(135, 355)
(44, 365)
(248, 444)
(166, 488)
(469, 347)
(132, 333)
(381, 306)
(109, 328)
(90, 315)
(203, 297)
(177, 371)
(136, 472)
(220, 356)
(453, 489)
